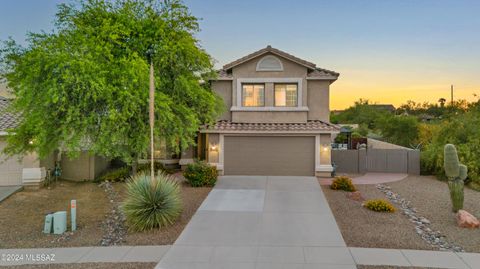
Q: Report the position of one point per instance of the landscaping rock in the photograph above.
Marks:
(466, 220)
(433, 238)
(114, 224)
(356, 196)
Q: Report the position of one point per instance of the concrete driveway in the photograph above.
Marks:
(261, 222)
(6, 191)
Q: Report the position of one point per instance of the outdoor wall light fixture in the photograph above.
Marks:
(213, 148)
(325, 147)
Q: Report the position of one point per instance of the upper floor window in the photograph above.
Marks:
(286, 95)
(269, 63)
(253, 95)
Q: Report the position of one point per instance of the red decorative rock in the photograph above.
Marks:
(356, 196)
(467, 220)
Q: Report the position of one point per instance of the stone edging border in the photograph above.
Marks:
(433, 238)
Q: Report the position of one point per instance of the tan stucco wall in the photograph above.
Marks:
(85, 167)
(213, 139)
(224, 90)
(100, 165)
(270, 116)
(49, 162)
(319, 100)
(10, 168)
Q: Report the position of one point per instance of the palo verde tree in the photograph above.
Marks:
(84, 86)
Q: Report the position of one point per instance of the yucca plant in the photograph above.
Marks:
(151, 203)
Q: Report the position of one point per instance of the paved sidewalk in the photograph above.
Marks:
(82, 255)
(261, 257)
(371, 178)
(6, 191)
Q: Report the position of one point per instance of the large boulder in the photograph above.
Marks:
(467, 220)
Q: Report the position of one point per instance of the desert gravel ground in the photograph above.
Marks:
(22, 215)
(89, 266)
(361, 227)
(432, 200)
(192, 199)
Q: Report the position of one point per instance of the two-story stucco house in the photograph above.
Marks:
(277, 117)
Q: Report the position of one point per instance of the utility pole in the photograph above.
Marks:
(152, 120)
(451, 95)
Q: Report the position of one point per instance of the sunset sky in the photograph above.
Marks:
(387, 51)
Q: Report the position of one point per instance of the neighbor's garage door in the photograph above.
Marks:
(10, 169)
(269, 155)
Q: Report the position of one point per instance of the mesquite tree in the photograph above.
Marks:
(86, 84)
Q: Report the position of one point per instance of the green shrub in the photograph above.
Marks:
(379, 205)
(119, 174)
(145, 168)
(343, 183)
(200, 174)
(151, 203)
(463, 131)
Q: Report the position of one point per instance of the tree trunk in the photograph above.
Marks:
(134, 165)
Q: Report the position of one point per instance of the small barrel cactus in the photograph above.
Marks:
(456, 173)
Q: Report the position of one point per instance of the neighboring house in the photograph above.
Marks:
(386, 107)
(277, 118)
(29, 170)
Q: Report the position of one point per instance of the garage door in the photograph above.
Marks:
(269, 155)
(10, 169)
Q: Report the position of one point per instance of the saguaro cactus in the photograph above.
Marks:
(456, 173)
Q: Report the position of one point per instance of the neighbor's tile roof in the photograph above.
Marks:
(309, 126)
(7, 120)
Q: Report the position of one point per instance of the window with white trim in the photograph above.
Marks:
(286, 95)
(253, 95)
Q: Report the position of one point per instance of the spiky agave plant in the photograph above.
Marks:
(153, 203)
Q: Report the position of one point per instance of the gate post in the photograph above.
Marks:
(362, 161)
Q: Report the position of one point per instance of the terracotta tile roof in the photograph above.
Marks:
(320, 72)
(7, 120)
(271, 50)
(233, 127)
(222, 74)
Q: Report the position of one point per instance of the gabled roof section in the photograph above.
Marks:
(8, 120)
(314, 72)
(266, 50)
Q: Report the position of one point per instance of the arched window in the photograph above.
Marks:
(269, 63)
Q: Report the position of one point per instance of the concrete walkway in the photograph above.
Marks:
(371, 178)
(82, 255)
(6, 191)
